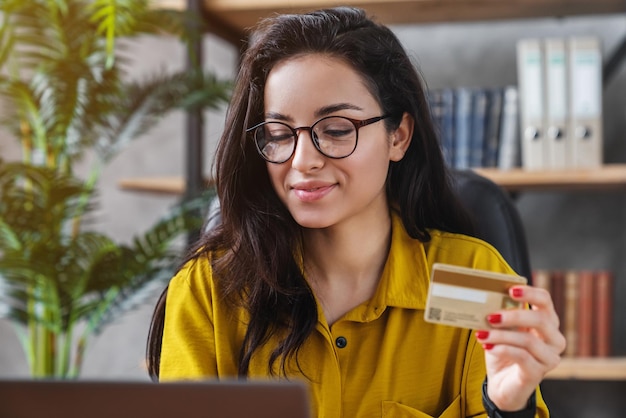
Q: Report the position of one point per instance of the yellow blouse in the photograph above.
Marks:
(379, 360)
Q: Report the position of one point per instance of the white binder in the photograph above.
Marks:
(585, 86)
(530, 80)
(557, 135)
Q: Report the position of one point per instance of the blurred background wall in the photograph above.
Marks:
(565, 229)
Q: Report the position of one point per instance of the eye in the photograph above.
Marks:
(277, 132)
(334, 128)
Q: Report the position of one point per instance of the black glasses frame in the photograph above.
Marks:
(358, 124)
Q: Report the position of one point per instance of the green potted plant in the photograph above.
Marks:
(66, 93)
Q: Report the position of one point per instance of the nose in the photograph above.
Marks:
(306, 157)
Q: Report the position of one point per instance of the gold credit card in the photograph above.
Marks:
(463, 297)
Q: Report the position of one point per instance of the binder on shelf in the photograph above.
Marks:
(531, 93)
(585, 87)
(557, 135)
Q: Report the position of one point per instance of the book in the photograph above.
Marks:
(436, 113)
(478, 117)
(462, 127)
(508, 154)
(585, 314)
(557, 289)
(447, 125)
(570, 328)
(492, 128)
(603, 307)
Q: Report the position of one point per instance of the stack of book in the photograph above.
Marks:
(560, 102)
(478, 127)
(583, 301)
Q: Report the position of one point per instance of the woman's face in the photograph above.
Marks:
(319, 191)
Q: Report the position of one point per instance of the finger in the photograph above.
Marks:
(537, 297)
(540, 324)
(520, 347)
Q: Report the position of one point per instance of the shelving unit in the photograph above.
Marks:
(230, 20)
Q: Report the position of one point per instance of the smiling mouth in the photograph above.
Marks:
(314, 193)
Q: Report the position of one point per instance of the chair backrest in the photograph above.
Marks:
(495, 217)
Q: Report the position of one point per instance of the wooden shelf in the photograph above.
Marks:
(230, 19)
(610, 176)
(609, 368)
(160, 185)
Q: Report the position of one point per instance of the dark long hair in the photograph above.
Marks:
(255, 266)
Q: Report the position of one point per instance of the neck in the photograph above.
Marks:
(344, 264)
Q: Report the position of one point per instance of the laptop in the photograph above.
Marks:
(137, 399)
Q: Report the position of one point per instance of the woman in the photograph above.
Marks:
(335, 204)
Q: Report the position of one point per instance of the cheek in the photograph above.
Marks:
(375, 158)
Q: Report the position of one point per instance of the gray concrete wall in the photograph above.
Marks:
(565, 229)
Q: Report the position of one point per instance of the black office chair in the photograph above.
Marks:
(495, 217)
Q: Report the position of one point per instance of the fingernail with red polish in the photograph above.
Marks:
(517, 292)
(487, 346)
(481, 334)
(494, 318)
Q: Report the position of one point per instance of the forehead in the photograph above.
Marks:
(315, 80)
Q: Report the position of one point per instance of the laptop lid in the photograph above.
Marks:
(135, 399)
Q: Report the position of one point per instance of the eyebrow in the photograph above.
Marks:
(321, 112)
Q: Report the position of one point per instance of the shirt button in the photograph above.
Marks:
(341, 342)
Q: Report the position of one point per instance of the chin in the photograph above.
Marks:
(313, 224)
(318, 221)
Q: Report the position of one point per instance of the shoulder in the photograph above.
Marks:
(464, 250)
(194, 276)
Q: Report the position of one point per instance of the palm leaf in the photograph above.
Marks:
(147, 101)
(7, 40)
(115, 18)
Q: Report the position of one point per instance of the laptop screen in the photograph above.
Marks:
(121, 399)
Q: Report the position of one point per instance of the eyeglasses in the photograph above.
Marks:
(333, 136)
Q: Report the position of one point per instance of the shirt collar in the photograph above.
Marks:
(404, 282)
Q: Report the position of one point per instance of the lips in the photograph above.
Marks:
(311, 192)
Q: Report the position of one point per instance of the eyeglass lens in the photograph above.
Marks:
(333, 136)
